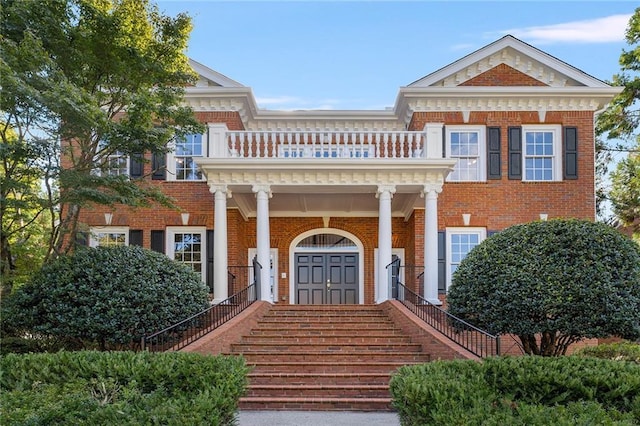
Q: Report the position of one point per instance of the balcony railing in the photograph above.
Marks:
(473, 339)
(328, 144)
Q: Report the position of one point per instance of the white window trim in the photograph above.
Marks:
(482, 234)
(94, 231)
(171, 160)
(169, 241)
(273, 253)
(556, 129)
(482, 148)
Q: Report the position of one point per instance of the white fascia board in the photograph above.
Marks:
(518, 45)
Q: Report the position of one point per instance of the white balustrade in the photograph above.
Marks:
(328, 144)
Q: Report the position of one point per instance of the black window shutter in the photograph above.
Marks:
(210, 260)
(82, 239)
(493, 153)
(135, 166)
(444, 142)
(515, 152)
(135, 237)
(442, 262)
(157, 241)
(570, 153)
(158, 164)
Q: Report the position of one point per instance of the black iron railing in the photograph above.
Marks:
(189, 330)
(470, 337)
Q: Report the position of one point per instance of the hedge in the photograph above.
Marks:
(123, 388)
(518, 391)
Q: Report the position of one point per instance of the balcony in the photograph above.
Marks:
(352, 145)
(325, 173)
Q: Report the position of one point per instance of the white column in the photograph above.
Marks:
(384, 194)
(220, 255)
(263, 193)
(431, 243)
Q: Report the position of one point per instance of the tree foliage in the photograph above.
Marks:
(24, 212)
(551, 284)
(619, 125)
(109, 296)
(94, 78)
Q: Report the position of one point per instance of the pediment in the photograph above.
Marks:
(210, 78)
(490, 65)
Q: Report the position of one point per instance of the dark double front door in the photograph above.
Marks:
(326, 278)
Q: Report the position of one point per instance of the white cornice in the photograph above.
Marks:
(278, 172)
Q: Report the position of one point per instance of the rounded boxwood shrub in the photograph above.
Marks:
(551, 283)
(107, 297)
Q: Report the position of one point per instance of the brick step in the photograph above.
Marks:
(320, 391)
(325, 319)
(388, 366)
(333, 357)
(359, 327)
(316, 404)
(312, 308)
(302, 339)
(276, 332)
(260, 378)
(324, 313)
(328, 348)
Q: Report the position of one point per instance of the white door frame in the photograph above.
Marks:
(342, 233)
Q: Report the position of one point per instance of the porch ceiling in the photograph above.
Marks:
(335, 188)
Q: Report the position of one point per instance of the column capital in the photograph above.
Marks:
(262, 188)
(431, 190)
(215, 188)
(390, 189)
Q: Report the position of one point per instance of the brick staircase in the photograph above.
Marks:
(332, 357)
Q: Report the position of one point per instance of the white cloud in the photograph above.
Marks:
(599, 30)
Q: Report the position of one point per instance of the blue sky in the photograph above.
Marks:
(356, 54)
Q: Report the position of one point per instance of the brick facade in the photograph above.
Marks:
(493, 204)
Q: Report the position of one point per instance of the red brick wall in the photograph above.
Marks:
(497, 204)
(502, 75)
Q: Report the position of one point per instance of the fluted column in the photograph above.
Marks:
(263, 193)
(220, 283)
(384, 194)
(431, 243)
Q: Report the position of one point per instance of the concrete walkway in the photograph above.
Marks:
(317, 418)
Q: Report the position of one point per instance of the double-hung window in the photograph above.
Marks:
(542, 153)
(467, 145)
(117, 164)
(187, 149)
(109, 236)
(113, 164)
(188, 245)
(460, 241)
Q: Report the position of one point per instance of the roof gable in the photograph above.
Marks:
(210, 78)
(502, 75)
(516, 54)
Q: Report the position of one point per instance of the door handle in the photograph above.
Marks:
(328, 284)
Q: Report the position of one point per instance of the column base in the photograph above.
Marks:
(436, 302)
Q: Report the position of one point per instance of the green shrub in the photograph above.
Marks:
(107, 297)
(108, 388)
(518, 391)
(623, 351)
(552, 284)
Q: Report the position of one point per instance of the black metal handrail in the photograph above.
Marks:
(470, 337)
(187, 331)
